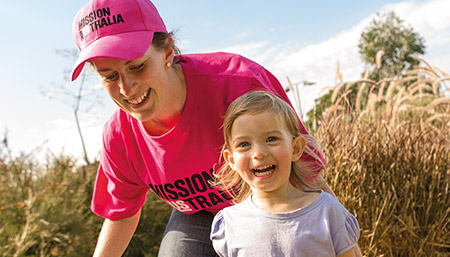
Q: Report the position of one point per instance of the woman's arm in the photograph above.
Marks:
(115, 236)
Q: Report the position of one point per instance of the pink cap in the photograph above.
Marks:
(121, 29)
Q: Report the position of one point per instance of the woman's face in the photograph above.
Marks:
(141, 87)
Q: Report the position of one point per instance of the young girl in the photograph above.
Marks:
(274, 216)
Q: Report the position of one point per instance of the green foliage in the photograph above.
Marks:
(320, 106)
(46, 209)
(323, 103)
(388, 34)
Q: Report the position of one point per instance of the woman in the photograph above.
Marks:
(166, 134)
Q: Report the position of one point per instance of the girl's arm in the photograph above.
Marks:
(350, 253)
(357, 251)
(325, 187)
(115, 236)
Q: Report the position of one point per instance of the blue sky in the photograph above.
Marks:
(300, 39)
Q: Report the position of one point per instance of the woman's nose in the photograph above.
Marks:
(127, 85)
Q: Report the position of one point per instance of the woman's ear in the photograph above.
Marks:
(228, 156)
(169, 52)
(298, 146)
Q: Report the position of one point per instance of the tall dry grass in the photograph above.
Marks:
(389, 160)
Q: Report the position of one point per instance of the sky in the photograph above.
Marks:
(302, 40)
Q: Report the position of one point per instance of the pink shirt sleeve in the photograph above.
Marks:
(116, 198)
(117, 194)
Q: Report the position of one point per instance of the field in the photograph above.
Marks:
(388, 154)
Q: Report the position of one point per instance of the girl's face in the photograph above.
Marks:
(262, 151)
(141, 87)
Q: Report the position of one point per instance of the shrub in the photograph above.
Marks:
(46, 210)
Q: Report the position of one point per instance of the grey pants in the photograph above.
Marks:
(187, 235)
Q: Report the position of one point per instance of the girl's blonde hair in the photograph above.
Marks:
(258, 102)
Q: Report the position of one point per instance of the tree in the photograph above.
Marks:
(385, 46)
(73, 95)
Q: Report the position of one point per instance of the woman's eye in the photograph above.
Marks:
(110, 77)
(137, 67)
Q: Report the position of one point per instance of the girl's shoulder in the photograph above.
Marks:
(332, 203)
(232, 215)
(323, 203)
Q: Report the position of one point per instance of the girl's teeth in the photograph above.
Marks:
(263, 171)
(261, 174)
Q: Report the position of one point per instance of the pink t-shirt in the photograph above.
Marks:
(178, 165)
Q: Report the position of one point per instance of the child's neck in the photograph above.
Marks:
(287, 200)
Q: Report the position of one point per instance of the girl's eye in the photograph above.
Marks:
(243, 144)
(272, 139)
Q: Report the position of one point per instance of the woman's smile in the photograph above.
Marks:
(138, 101)
(145, 88)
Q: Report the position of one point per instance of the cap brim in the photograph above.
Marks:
(124, 46)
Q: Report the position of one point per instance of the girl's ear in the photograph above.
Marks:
(298, 146)
(228, 156)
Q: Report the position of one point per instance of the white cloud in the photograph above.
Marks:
(431, 20)
(260, 52)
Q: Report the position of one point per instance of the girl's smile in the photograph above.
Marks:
(262, 151)
(264, 171)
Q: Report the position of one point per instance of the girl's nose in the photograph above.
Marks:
(259, 152)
